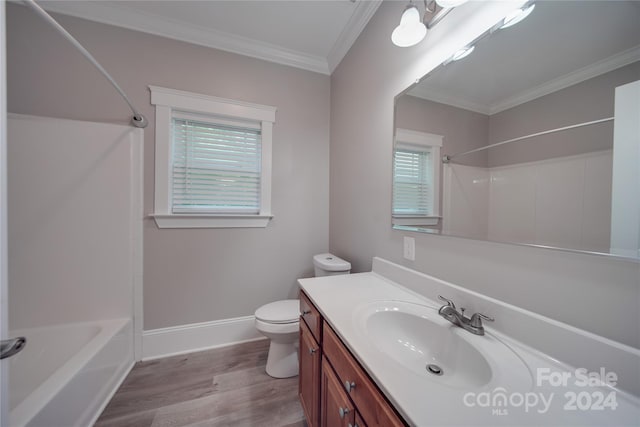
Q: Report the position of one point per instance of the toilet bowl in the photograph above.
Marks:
(280, 322)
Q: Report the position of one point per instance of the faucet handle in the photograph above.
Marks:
(448, 301)
(476, 319)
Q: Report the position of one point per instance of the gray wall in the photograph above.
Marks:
(462, 129)
(465, 130)
(192, 275)
(599, 294)
(583, 102)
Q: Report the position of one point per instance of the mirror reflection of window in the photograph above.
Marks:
(416, 173)
(413, 185)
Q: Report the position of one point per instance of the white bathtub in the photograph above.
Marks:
(67, 373)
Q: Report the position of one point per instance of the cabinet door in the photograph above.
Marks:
(371, 405)
(336, 409)
(309, 377)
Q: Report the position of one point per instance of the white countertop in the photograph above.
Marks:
(426, 403)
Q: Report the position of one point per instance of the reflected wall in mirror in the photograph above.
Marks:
(541, 126)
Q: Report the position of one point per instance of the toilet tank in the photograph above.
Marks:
(330, 265)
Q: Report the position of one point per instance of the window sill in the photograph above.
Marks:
(415, 220)
(210, 221)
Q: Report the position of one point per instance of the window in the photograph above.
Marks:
(416, 171)
(213, 161)
(216, 167)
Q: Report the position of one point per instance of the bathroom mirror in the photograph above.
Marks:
(539, 125)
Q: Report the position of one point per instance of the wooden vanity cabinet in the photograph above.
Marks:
(336, 409)
(367, 398)
(340, 393)
(309, 358)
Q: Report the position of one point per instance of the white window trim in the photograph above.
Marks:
(434, 142)
(166, 102)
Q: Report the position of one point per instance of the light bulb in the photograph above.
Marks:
(516, 16)
(411, 15)
(450, 3)
(411, 30)
(462, 53)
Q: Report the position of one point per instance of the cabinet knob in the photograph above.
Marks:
(305, 312)
(343, 412)
(349, 386)
(353, 425)
(312, 351)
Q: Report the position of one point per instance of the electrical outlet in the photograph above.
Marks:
(410, 248)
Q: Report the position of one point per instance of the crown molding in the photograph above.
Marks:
(363, 12)
(453, 101)
(124, 17)
(596, 69)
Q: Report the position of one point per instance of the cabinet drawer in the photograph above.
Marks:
(374, 409)
(311, 317)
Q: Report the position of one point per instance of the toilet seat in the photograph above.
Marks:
(279, 312)
(277, 328)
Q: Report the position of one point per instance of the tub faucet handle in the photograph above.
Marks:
(12, 346)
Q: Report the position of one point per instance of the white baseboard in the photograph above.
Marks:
(182, 339)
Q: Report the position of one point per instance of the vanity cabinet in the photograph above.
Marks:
(309, 376)
(310, 359)
(336, 409)
(346, 396)
(367, 398)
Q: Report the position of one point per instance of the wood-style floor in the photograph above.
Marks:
(220, 387)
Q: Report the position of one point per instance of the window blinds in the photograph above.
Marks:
(216, 168)
(412, 182)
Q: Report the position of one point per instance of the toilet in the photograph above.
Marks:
(280, 321)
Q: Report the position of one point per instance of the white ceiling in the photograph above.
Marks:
(560, 44)
(309, 34)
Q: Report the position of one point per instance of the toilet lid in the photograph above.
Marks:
(285, 311)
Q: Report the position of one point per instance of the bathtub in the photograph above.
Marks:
(67, 373)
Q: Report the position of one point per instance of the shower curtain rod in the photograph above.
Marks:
(447, 158)
(138, 119)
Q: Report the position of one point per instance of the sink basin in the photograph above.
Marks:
(416, 338)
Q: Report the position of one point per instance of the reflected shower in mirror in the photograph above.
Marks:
(538, 128)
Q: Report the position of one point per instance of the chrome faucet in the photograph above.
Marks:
(472, 324)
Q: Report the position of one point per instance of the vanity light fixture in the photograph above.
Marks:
(517, 16)
(511, 19)
(411, 30)
(413, 27)
(450, 3)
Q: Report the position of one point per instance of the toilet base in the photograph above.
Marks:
(282, 361)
